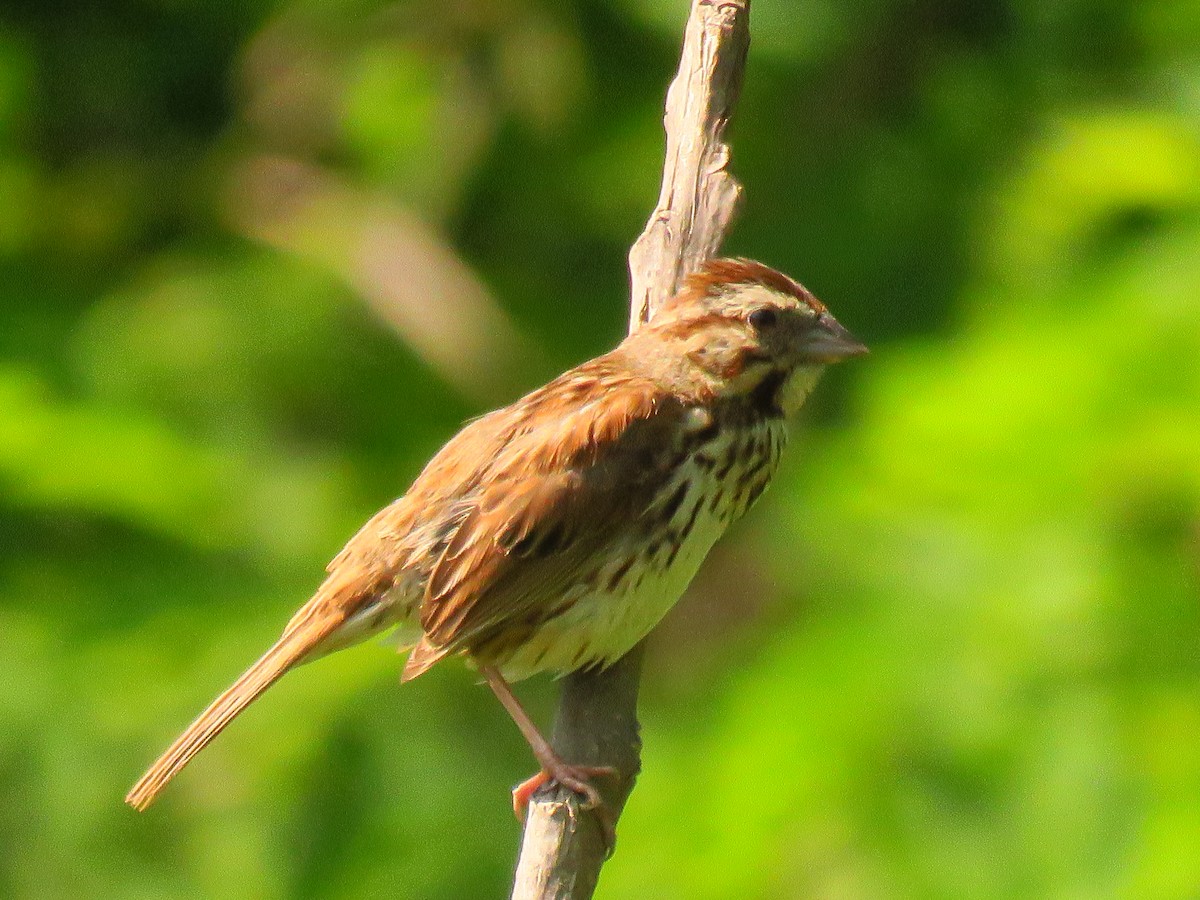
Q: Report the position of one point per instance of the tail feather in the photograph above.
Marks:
(298, 640)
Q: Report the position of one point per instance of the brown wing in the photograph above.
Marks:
(575, 468)
(405, 537)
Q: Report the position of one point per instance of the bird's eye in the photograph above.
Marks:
(761, 318)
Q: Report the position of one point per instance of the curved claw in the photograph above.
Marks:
(523, 793)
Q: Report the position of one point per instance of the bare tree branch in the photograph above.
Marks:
(699, 196)
(563, 847)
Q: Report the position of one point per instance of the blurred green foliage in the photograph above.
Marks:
(258, 260)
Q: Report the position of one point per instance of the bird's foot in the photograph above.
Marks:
(577, 779)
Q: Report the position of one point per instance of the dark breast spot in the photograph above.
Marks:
(727, 466)
(675, 541)
(618, 576)
(758, 465)
(765, 397)
(691, 519)
(671, 506)
(748, 451)
(755, 493)
(706, 434)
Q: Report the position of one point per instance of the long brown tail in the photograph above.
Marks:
(298, 640)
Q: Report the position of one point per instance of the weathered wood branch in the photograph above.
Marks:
(699, 197)
(563, 847)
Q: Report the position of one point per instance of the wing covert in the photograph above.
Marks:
(578, 466)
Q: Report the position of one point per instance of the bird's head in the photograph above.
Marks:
(738, 327)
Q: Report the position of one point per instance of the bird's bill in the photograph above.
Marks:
(828, 342)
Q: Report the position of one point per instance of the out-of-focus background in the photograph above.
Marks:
(259, 260)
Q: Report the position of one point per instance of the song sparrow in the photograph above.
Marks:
(553, 534)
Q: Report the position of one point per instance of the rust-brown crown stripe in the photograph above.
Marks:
(718, 273)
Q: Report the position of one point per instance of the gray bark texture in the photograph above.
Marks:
(563, 849)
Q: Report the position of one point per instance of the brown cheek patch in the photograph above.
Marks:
(724, 365)
(734, 367)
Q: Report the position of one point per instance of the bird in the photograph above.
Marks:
(553, 534)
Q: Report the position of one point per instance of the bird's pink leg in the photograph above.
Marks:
(572, 777)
